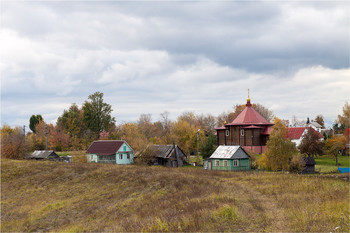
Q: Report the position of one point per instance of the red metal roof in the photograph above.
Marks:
(105, 147)
(297, 132)
(249, 116)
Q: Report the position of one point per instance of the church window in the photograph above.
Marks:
(227, 133)
(242, 132)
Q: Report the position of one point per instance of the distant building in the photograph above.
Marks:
(169, 155)
(110, 151)
(249, 130)
(44, 154)
(229, 158)
(309, 165)
(296, 134)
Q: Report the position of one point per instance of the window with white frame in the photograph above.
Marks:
(225, 163)
(235, 163)
(227, 133)
(121, 156)
(217, 163)
(242, 132)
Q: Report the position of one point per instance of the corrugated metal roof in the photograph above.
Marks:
(105, 147)
(229, 152)
(43, 154)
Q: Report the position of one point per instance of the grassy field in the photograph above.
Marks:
(327, 163)
(75, 197)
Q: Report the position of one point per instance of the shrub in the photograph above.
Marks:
(297, 164)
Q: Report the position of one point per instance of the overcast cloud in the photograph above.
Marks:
(151, 57)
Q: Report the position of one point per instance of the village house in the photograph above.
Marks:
(169, 155)
(110, 151)
(229, 158)
(296, 134)
(249, 130)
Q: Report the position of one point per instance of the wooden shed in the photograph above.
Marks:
(44, 154)
(110, 151)
(229, 158)
(169, 155)
(309, 165)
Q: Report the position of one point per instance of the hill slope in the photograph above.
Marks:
(51, 196)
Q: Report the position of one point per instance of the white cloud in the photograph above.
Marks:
(175, 56)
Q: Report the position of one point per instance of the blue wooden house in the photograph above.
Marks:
(110, 151)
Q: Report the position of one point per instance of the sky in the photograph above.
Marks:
(148, 57)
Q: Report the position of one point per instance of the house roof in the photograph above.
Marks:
(309, 161)
(166, 151)
(105, 147)
(229, 152)
(43, 154)
(249, 116)
(297, 132)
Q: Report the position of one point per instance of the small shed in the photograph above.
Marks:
(229, 158)
(110, 151)
(44, 154)
(169, 155)
(309, 165)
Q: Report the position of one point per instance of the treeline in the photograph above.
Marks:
(78, 126)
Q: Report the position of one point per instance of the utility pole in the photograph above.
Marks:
(46, 133)
(198, 146)
(24, 131)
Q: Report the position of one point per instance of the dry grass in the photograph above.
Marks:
(52, 196)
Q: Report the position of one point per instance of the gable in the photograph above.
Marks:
(229, 152)
(125, 147)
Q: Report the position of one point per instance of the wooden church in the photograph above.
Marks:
(249, 129)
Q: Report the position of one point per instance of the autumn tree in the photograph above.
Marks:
(12, 143)
(132, 134)
(72, 121)
(344, 119)
(319, 119)
(34, 120)
(335, 146)
(280, 150)
(97, 114)
(311, 144)
(184, 135)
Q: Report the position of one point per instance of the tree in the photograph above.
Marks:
(209, 146)
(319, 120)
(335, 146)
(34, 120)
(295, 122)
(311, 144)
(12, 143)
(72, 121)
(280, 150)
(308, 120)
(344, 119)
(97, 114)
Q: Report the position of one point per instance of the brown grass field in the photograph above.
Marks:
(60, 197)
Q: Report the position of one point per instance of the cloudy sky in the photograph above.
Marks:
(175, 56)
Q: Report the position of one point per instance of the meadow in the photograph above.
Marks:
(76, 197)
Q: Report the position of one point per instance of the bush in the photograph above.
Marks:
(297, 164)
